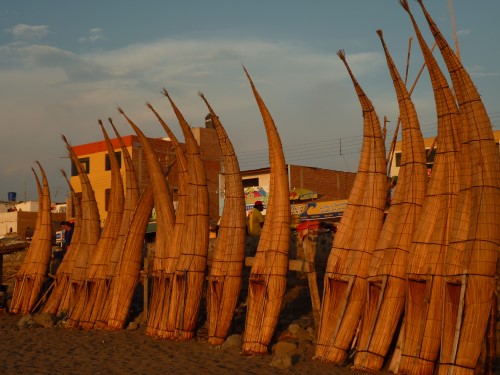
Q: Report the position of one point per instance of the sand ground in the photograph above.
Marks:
(64, 351)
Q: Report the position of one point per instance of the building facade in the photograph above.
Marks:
(430, 147)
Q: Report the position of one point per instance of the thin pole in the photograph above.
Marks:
(457, 50)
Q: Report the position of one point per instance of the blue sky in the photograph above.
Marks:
(66, 64)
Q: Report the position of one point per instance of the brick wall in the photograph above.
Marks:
(329, 184)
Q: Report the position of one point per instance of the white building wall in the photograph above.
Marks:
(8, 223)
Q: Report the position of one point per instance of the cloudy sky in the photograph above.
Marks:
(66, 64)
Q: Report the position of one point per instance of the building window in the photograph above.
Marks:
(249, 182)
(118, 155)
(107, 196)
(86, 166)
(398, 159)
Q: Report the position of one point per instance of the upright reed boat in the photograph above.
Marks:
(470, 265)
(387, 273)
(225, 275)
(126, 276)
(267, 283)
(91, 300)
(191, 266)
(33, 270)
(421, 334)
(167, 328)
(345, 287)
(165, 221)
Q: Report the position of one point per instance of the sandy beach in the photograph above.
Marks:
(39, 350)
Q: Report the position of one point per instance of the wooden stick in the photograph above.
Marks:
(408, 60)
(309, 254)
(458, 328)
(457, 50)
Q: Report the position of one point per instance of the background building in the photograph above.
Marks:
(429, 143)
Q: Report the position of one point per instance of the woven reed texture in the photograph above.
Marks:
(61, 279)
(165, 222)
(387, 281)
(165, 327)
(225, 275)
(422, 328)
(345, 287)
(473, 253)
(90, 234)
(124, 283)
(267, 281)
(132, 196)
(90, 303)
(33, 270)
(191, 266)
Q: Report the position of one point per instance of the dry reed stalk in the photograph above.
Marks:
(267, 283)
(472, 256)
(387, 273)
(98, 275)
(165, 222)
(165, 329)
(33, 270)
(84, 250)
(191, 266)
(345, 288)
(423, 317)
(225, 275)
(61, 278)
(132, 196)
(124, 283)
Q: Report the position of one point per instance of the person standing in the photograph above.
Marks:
(256, 219)
(67, 236)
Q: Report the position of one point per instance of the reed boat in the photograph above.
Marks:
(190, 269)
(225, 275)
(127, 277)
(345, 285)
(92, 299)
(387, 273)
(267, 282)
(421, 334)
(471, 261)
(167, 328)
(33, 271)
(165, 221)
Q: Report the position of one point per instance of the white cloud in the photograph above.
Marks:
(54, 91)
(95, 34)
(464, 32)
(27, 32)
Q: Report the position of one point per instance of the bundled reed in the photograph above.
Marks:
(225, 275)
(61, 279)
(124, 282)
(470, 264)
(345, 286)
(33, 270)
(115, 291)
(387, 273)
(267, 283)
(91, 299)
(421, 334)
(165, 221)
(191, 266)
(167, 328)
(63, 296)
